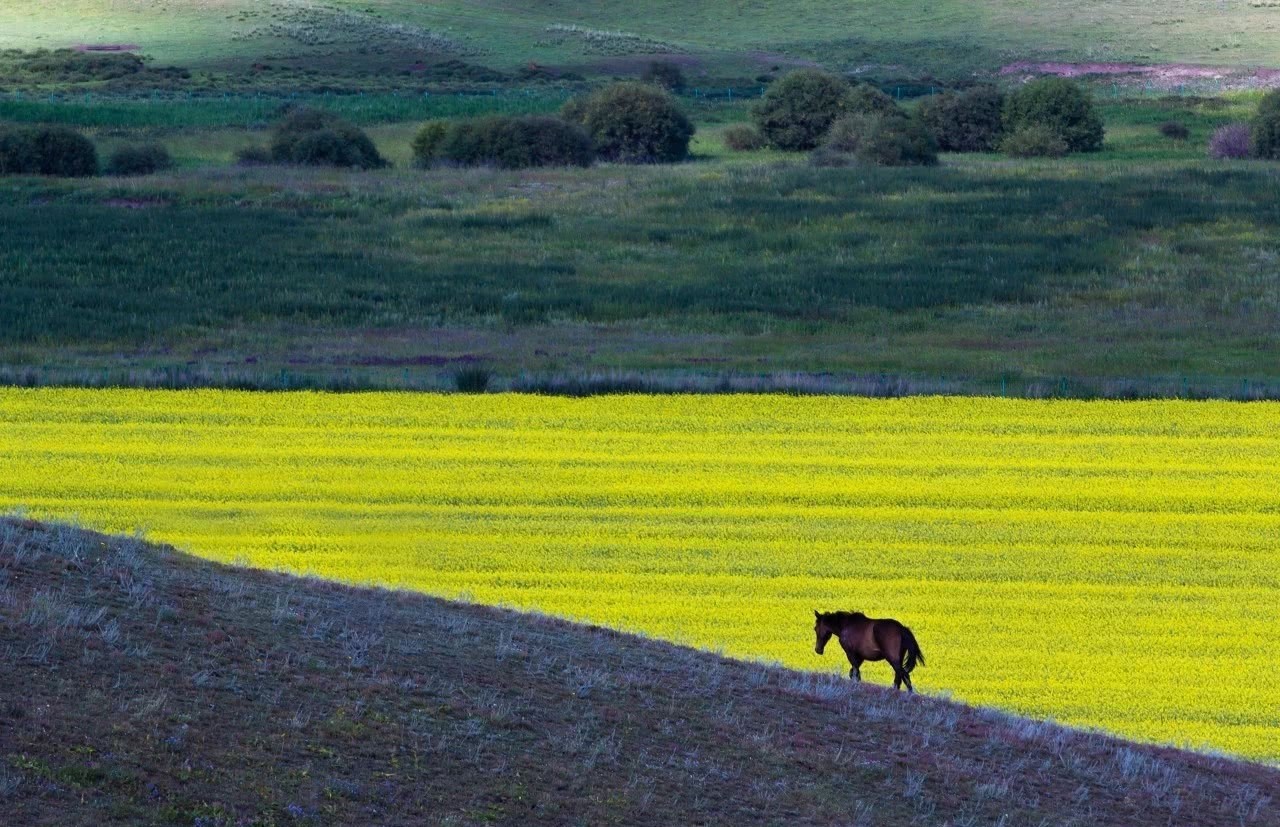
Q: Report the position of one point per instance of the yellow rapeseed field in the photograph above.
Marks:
(1107, 564)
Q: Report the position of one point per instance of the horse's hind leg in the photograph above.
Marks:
(900, 676)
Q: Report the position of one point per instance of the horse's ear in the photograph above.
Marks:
(815, 613)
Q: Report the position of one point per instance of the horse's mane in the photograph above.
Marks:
(841, 617)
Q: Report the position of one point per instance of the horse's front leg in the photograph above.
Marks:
(856, 672)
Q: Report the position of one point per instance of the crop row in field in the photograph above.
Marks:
(1105, 564)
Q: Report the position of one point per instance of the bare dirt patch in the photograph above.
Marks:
(106, 47)
(1165, 76)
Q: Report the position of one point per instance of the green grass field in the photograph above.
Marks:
(946, 37)
(1144, 263)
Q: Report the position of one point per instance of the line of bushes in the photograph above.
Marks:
(625, 122)
(505, 142)
(635, 123)
(64, 152)
(841, 122)
(855, 122)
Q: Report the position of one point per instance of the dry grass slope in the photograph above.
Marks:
(143, 686)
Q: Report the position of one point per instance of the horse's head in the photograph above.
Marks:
(822, 632)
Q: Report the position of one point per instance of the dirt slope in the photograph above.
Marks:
(141, 686)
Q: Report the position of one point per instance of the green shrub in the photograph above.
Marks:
(797, 110)
(1034, 141)
(47, 150)
(139, 159)
(664, 73)
(472, 379)
(319, 138)
(1265, 128)
(882, 140)
(743, 138)
(1175, 130)
(18, 153)
(865, 99)
(324, 147)
(1233, 141)
(574, 110)
(426, 143)
(970, 121)
(515, 142)
(1060, 105)
(634, 123)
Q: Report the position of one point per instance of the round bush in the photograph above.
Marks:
(61, 151)
(1175, 130)
(636, 123)
(883, 140)
(1060, 105)
(796, 112)
(971, 121)
(319, 138)
(664, 73)
(324, 148)
(743, 138)
(142, 159)
(1034, 141)
(1266, 127)
(426, 144)
(18, 153)
(1233, 141)
(516, 143)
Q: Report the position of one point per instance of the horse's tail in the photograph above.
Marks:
(910, 651)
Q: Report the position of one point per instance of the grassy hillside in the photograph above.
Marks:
(943, 36)
(153, 688)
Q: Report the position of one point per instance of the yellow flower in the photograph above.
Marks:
(1107, 564)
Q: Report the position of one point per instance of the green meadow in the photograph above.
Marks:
(1145, 268)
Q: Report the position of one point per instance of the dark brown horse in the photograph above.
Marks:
(865, 638)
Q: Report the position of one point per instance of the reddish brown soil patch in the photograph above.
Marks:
(106, 47)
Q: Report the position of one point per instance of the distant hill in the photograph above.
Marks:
(142, 686)
(942, 37)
